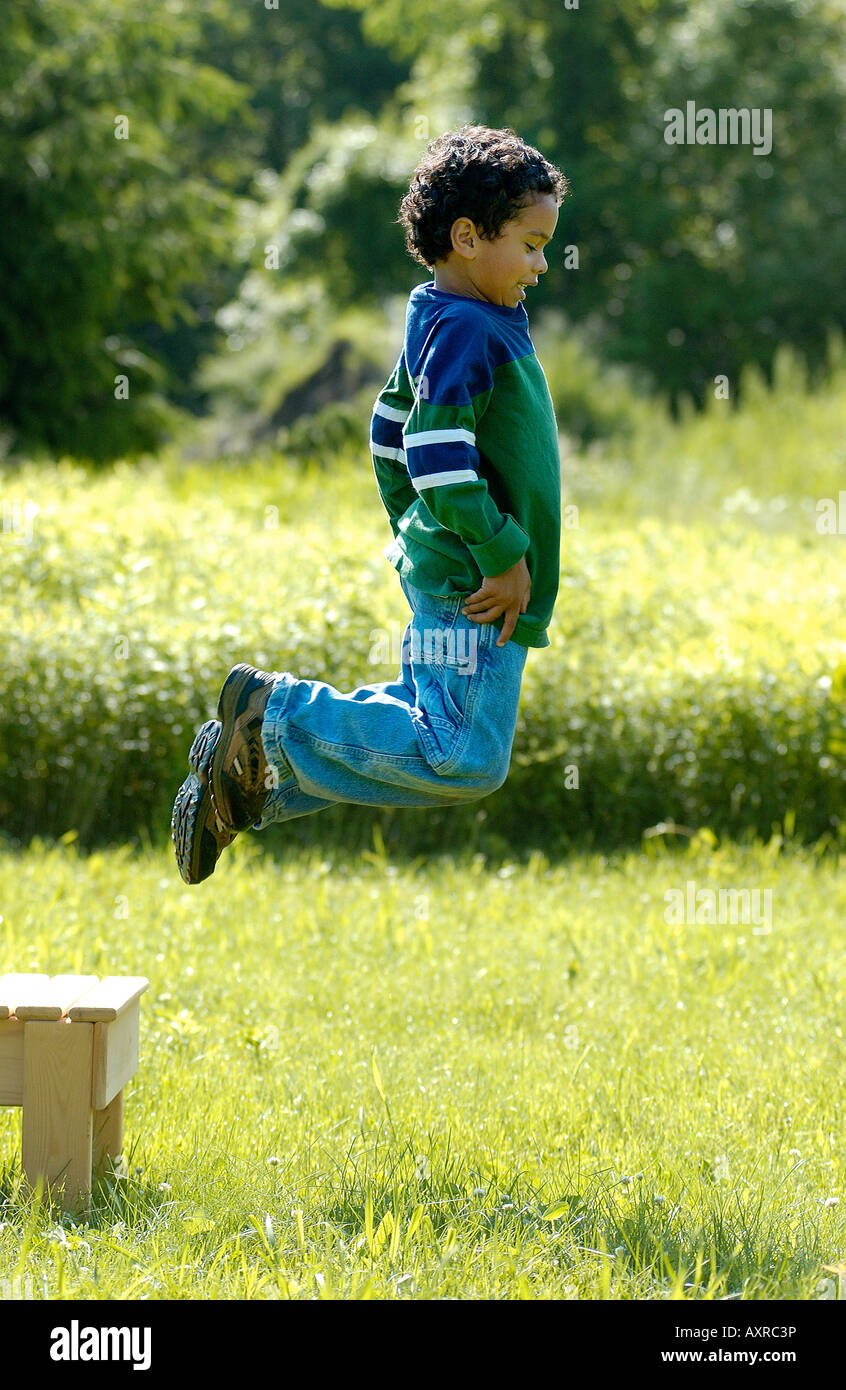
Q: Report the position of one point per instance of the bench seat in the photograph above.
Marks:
(68, 1046)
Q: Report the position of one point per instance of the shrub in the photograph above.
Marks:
(673, 697)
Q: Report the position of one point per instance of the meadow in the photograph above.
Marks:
(451, 1078)
(408, 1057)
(697, 672)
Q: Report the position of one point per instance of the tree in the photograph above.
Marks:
(305, 63)
(119, 150)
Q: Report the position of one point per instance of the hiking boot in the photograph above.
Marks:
(197, 831)
(238, 769)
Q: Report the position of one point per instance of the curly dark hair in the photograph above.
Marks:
(486, 175)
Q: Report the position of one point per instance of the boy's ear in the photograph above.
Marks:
(464, 238)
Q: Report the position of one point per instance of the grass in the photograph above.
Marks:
(455, 1078)
(697, 672)
(489, 1074)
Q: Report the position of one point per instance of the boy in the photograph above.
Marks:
(465, 451)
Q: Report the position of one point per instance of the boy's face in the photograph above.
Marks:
(499, 270)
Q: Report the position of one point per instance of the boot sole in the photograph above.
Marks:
(197, 850)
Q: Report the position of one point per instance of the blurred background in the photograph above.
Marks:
(202, 198)
(202, 289)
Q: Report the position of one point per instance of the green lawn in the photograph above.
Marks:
(452, 1078)
(456, 1076)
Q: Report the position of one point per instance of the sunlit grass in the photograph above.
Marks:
(450, 1078)
(696, 672)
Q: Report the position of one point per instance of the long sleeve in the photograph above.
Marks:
(386, 444)
(452, 389)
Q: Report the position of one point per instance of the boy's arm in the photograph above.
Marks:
(439, 438)
(386, 445)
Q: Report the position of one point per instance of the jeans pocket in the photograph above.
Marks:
(451, 650)
(458, 686)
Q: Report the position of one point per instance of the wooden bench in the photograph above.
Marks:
(68, 1046)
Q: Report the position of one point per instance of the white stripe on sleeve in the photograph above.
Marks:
(389, 413)
(382, 451)
(456, 475)
(418, 441)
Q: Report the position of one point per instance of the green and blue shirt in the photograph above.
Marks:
(465, 450)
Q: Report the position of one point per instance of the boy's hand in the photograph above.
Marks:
(506, 593)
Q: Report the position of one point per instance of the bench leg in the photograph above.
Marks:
(108, 1131)
(57, 1113)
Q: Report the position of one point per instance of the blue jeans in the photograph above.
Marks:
(440, 734)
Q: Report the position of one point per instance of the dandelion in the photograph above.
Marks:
(273, 1161)
(829, 1201)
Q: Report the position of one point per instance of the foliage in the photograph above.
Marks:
(117, 149)
(771, 461)
(592, 400)
(693, 259)
(300, 125)
(727, 254)
(290, 354)
(304, 63)
(676, 692)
